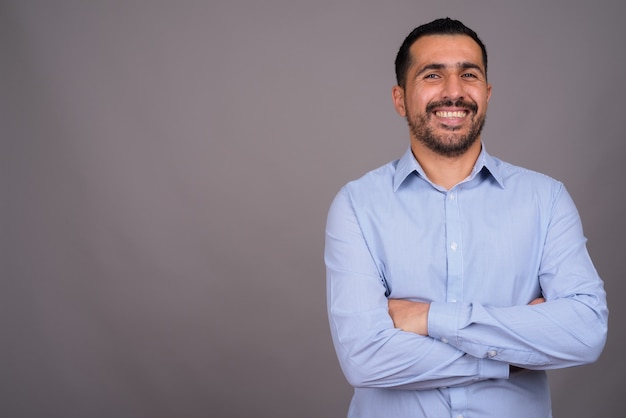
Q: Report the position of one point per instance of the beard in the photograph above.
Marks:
(450, 143)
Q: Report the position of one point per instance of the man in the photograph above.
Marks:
(455, 279)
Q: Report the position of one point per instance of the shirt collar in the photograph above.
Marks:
(407, 165)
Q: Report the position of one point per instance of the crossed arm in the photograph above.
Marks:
(413, 316)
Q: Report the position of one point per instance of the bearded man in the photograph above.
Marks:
(454, 279)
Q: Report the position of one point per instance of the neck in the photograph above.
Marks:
(444, 171)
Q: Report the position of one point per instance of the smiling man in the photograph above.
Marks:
(454, 279)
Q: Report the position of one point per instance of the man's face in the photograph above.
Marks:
(446, 93)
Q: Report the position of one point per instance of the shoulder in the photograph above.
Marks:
(375, 181)
(520, 179)
(368, 190)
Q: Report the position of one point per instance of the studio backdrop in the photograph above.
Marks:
(167, 167)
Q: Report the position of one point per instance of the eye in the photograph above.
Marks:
(469, 75)
(431, 76)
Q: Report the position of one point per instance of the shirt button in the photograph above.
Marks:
(444, 340)
(451, 196)
(492, 353)
(453, 246)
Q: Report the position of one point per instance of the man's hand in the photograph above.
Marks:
(537, 301)
(409, 316)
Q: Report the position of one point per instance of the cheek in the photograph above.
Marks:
(482, 106)
(481, 97)
(417, 104)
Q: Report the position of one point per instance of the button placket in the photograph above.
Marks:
(454, 253)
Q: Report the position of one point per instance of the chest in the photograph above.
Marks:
(458, 246)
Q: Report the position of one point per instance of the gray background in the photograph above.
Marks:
(167, 168)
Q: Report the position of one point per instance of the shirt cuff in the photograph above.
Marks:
(443, 320)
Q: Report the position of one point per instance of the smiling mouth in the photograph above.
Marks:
(453, 114)
(449, 109)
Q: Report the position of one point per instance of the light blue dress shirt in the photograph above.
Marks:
(479, 252)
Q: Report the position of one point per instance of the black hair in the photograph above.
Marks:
(445, 26)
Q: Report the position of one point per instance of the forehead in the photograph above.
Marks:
(445, 49)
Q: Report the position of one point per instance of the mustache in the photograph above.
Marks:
(471, 106)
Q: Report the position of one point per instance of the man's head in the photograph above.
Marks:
(442, 87)
(445, 26)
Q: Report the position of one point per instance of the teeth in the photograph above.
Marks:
(456, 114)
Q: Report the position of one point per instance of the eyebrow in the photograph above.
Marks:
(461, 65)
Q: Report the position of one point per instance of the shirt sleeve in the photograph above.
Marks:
(371, 352)
(569, 329)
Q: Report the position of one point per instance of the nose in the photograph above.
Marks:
(453, 88)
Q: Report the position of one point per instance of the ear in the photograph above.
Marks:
(488, 91)
(397, 94)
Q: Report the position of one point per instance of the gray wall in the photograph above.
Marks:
(167, 168)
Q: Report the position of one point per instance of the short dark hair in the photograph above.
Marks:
(445, 26)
